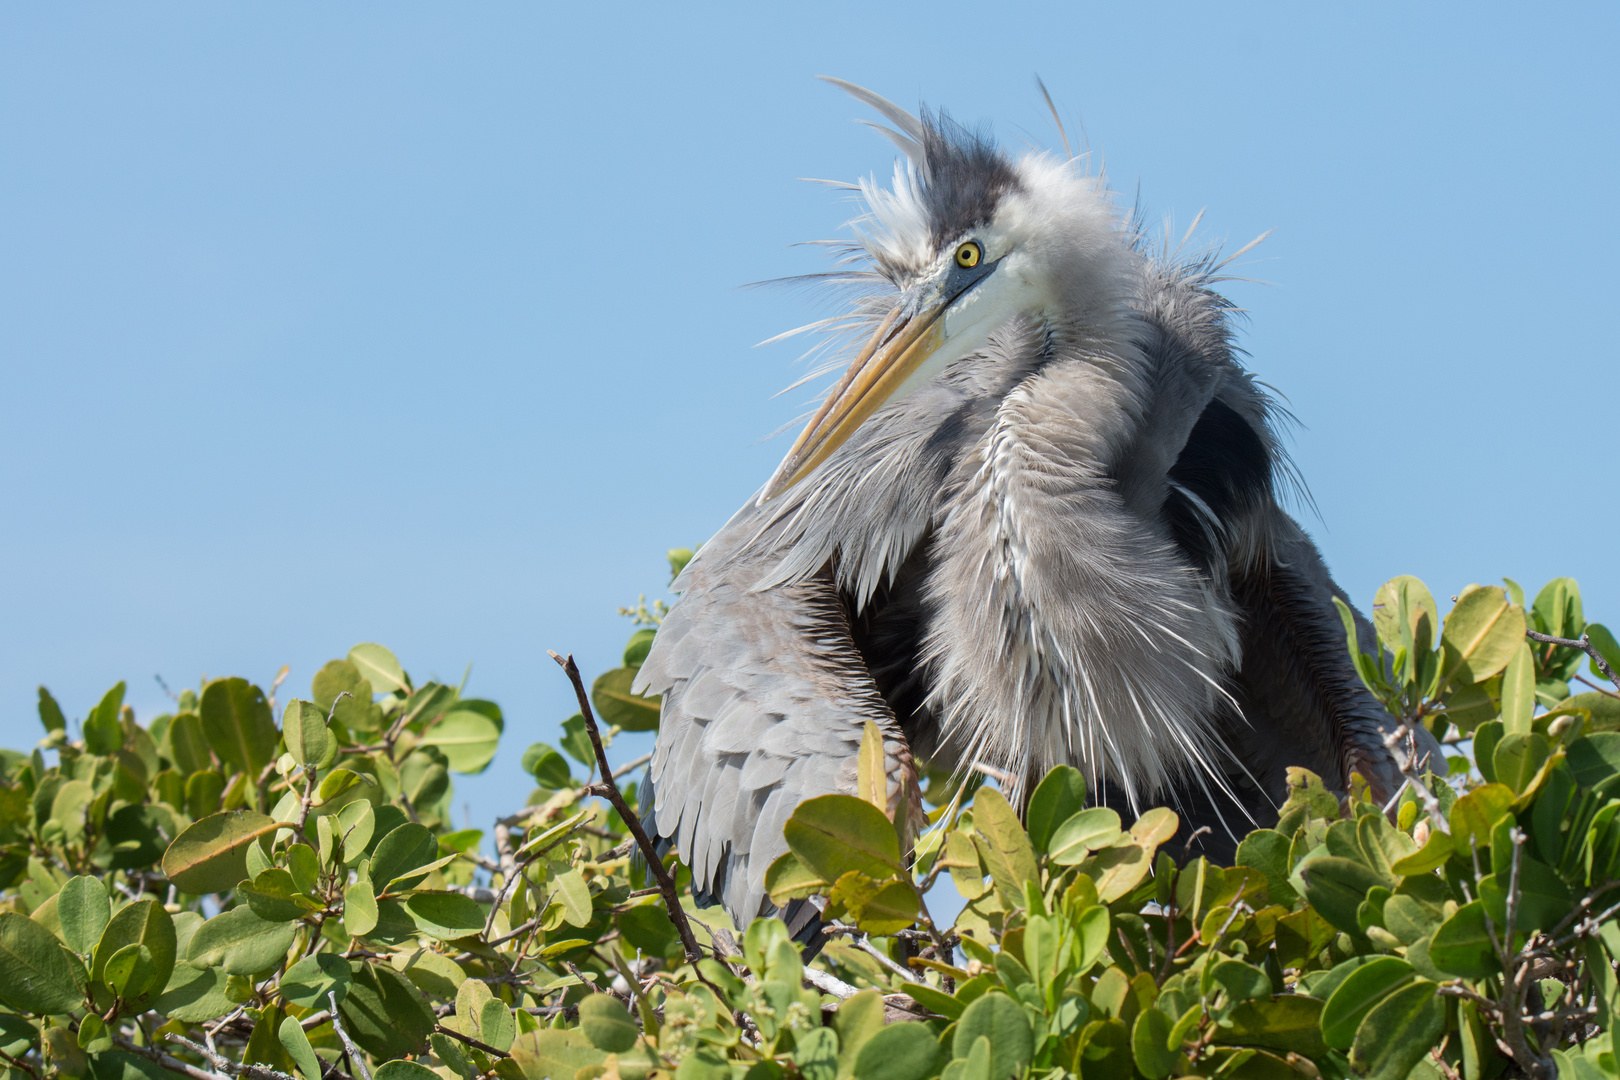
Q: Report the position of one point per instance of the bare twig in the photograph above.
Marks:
(1583, 643)
(309, 796)
(470, 1041)
(229, 1067)
(829, 984)
(1402, 744)
(864, 943)
(655, 865)
(173, 1064)
(356, 1058)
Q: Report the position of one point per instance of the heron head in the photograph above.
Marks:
(968, 239)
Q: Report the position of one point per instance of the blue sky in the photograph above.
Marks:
(421, 323)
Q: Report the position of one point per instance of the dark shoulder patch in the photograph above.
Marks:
(1226, 467)
(967, 177)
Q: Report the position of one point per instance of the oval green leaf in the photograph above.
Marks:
(211, 855)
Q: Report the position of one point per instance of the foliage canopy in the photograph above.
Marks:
(219, 892)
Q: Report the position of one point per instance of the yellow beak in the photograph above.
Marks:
(891, 355)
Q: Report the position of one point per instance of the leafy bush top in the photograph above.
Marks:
(216, 893)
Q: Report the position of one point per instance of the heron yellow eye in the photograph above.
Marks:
(968, 255)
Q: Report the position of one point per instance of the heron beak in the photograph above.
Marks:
(892, 354)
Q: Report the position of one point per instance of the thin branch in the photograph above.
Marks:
(470, 1041)
(173, 1064)
(829, 984)
(655, 865)
(229, 1067)
(1402, 744)
(356, 1058)
(1583, 643)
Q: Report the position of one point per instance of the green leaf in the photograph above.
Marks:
(877, 907)
(359, 908)
(935, 1000)
(1002, 1021)
(405, 1070)
(903, 1051)
(307, 982)
(211, 855)
(144, 922)
(385, 1015)
(1003, 844)
(357, 712)
(547, 767)
(240, 942)
(1399, 1032)
(1599, 635)
(616, 704)
(577, 741)
(103, 734)
(1481, 635)
(195, 995)
(558, 1054)
(1287, 1022)
(1150, 1044)
(36, 972)
(834, 834)
(789, 879)
(296, 1043)
(1084, 832)
(274, 897)
(237, 722)
(378, 667)
(445, 915)
(647, 927)
(1519, 691)
(1594, 758)
(1242, 982)
(405, 849)
(188, 746)
(575, 897)
(1355, 997)
(607, 1023)
(1462, 945)
(1517, 758)
(496, 1025)
(1118, 870)
(309, 740)
(1056, 799)
(50, 713)
(466, 738)
(131, 973)
(1266, 850)
(84, 910)
(1474, 816)
(1336, 887)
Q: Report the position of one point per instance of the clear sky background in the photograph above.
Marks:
(421, 323)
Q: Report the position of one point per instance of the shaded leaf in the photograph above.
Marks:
(1399, 1031)
(83, 909)
(834, 834)
(466, 738)
(378, 667)
(240, 942)
(616, 704)
(211, 855)
(237, 723)
(607, 1023)
(1056, 799)
(36, 972)
(1002, 1021)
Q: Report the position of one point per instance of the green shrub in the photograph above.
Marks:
(216, 893)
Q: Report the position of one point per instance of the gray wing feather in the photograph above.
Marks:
(765, 700)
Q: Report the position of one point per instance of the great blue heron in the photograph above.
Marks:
(1035, 522)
